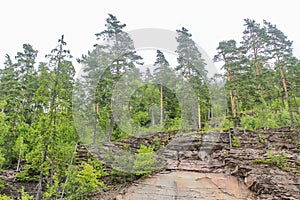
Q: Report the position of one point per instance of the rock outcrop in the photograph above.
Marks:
(187, 185)
(266, 162)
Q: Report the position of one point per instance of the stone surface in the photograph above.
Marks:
(188, 185)
(205, 154)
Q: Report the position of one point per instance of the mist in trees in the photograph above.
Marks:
(41, 104)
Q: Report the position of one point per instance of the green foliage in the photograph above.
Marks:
(82, 182)
(261, 138)
(4, 197)
(1, 185)
(278, 160)
(25, 195)
(157, 144)
(145, 161)
(53, 191)
(235, 141)
(37, 128)
(29, 174)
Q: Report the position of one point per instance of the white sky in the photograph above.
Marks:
(42, 22)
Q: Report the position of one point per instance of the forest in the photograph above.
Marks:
(45, 112)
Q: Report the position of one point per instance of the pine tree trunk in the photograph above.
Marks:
(296, 105)
(161, 104)
(20, 155)
(199, 113)
(233, 111)
(95, 122)
(108, 139)
(152, 117)
(194, 116)
(287, 96)
(39, 194)
(283, 79)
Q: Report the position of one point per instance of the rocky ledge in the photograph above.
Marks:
(265, 165)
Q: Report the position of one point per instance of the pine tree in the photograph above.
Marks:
(161, 73)
(227, 52)
(280, 49)
(255, 46)
(123, 57)
(191, 65)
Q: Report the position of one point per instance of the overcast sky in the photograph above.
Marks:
(41, 22)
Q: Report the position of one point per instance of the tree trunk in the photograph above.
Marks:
(20, 155)
(285, 88)
(286, 95)
(39, 194)
(161, 104)
(152, 116)
(229, 135)
(296, 106)
(199, 113)
(95, 122)
(110, 128)
(233, 111)
(194, 116)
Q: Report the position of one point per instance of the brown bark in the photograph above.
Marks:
(285, 89)
(95, 122)
(110, 128)
(232, 101)
(286, 95)
(199, 113)
(161, 104)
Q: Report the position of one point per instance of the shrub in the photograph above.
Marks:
(25, 195)
(280, 160)
(82, 183)
(145, 161)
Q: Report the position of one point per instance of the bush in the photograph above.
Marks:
(145, 161)
(25, 195)
(82, 184)
(280, 160)
(4, 197)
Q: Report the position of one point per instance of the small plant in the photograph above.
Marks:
(25, 195)
(157, 144)
(261, 138)
(1, 185)
(280, 160)
(235, 141)
(4, 197)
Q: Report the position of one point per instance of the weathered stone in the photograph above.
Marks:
(201, 154)
(188, 185)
